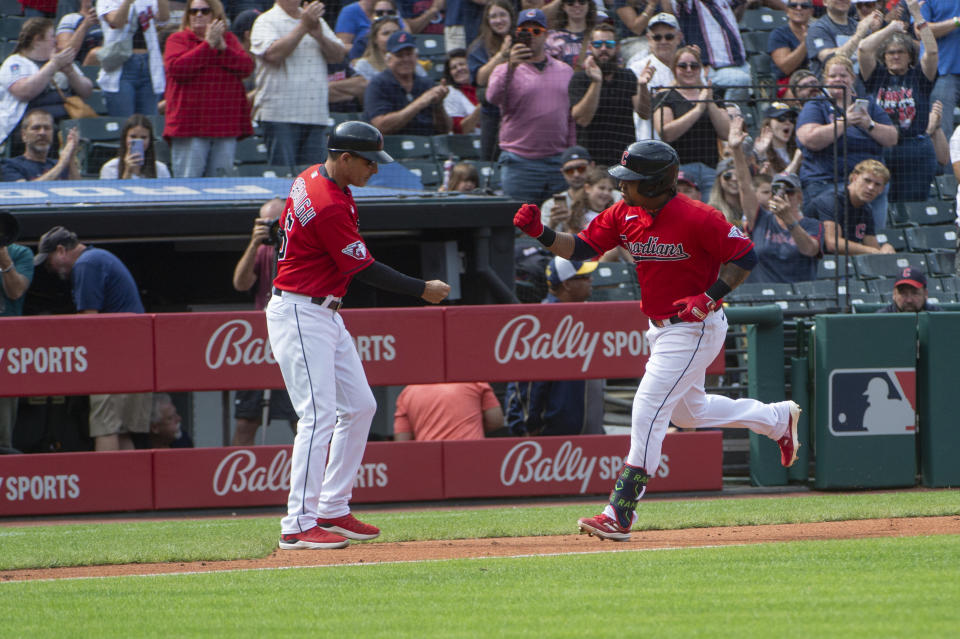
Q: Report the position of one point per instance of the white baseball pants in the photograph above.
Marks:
(672, 389)
(329, 390)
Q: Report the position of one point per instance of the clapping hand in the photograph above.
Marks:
(215, 32)
(64, 57)
(592, 69)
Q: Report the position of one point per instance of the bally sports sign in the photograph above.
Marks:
(389, 472)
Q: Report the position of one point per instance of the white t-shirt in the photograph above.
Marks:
(109, 81)
(296, 90)
(111, 170)
(14, 68)
(662, 77)
(457, 105)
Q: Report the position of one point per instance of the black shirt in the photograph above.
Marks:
(611, 130)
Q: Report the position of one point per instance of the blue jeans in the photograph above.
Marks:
(736, 80)
(202, 157)
(529, 180)
(947, 90)
(290, 144)
(912, 164)
(703, 175)
(136, 90)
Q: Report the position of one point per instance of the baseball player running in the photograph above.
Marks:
(688, 257)
(320, 252)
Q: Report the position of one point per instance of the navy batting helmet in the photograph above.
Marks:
(653, 163)
(359, 138)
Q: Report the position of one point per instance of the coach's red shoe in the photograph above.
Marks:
(603, 527)
(316, 537)
(789, 443)
(350, 527)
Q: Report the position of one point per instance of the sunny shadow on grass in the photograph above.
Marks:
(224, 539)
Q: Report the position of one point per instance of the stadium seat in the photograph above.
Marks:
(759, 293)
(10, 8)
(429, 173)
(10, 27)
(430, 45)
(459, 147)
(252, 150)
(941, 263)
(95, 129)
(345, 117)
(263, 170)
(6, 48)
(946, 186)
(755, 41)
(402, 147)
(893, 236)
(833, 265)
(159, 122)
(877, 265)
(161, 151)
(932, 238)
(615, 281)
(763, 19)
(99, 104)
(950, 284)
(91, 71)
(865, 298)
(929, 212)
(489, 175)
(816, 290)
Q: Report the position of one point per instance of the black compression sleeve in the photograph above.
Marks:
(748, 262)
(382, 276)
(582, 250)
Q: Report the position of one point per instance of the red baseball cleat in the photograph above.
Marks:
(789, 443)
(350, 527)
(316, 538)
(603, 527)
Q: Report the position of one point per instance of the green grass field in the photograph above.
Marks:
(892, 587)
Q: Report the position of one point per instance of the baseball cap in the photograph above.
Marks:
(776, 109)
(532, 15)
(560, 269)
(724, 165)
(50, 240)
(400, 40)
(663, 18)
(683, 177)
(603, 16)
(574, 153)
(912, 276)
(244, 22)
(788, 179)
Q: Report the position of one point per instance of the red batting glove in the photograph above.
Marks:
(695, 308)
(527, 219)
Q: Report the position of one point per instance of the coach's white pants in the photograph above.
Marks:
(329, 390)
(672, 389)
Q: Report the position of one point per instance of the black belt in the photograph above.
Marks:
(326, 302)
(670, 320)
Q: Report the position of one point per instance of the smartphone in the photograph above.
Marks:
(861, 104)
(776, 190)
(524, 37)
(136, 146)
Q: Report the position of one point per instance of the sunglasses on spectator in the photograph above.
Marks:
(385, 12)
(657, 37)
(800, 5)
(787, 117)
(690, 66)
(534, 31)
(609, 44)
(728, 175)
(579, 170)
(201, 11)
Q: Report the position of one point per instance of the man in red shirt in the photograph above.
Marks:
(688, 257)
(320, 252)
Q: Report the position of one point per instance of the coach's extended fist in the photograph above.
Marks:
(435, 291)
(695, 308)
(527, 219)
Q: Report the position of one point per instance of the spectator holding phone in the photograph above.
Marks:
(823, 124)
(136, 157)
(901, 81)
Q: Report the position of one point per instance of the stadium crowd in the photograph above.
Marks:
(809, 124)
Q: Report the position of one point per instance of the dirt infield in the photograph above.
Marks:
(374, 553)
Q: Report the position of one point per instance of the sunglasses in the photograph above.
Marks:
(728, 175)
(579, 170)
(657, 37)
(689, 66)
(534, 31)
(201, 11)
(600, 44)
(800, 5)
(786, 118)
(385, 12)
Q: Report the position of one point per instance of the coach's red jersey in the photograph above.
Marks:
(322, 248)
(678, 252)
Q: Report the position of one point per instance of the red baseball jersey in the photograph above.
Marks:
(322, 248)
(678, 252)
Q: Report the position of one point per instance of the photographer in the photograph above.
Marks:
(16, 273)
(256, 270)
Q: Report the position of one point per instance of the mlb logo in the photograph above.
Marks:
(873, 401)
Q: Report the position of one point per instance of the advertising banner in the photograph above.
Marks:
(76, 354)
